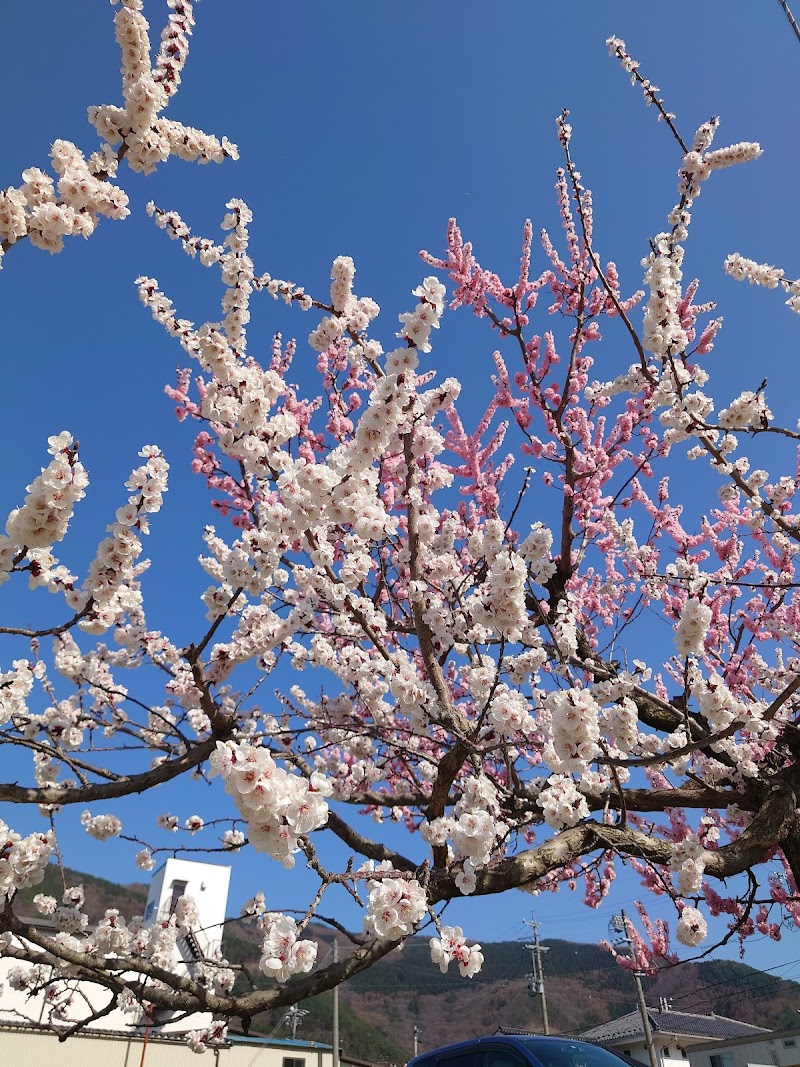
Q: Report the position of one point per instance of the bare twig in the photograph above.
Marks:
(791, 18)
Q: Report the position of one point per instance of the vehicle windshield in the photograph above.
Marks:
(553, 1053)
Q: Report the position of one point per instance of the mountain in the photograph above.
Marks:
(584, 988)
(100, 894)
(380, 1007)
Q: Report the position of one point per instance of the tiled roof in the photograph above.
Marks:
(673, 1022)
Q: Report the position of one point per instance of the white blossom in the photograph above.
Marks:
(692, 927)
(452, 946)
(101, 827)
(283, 954)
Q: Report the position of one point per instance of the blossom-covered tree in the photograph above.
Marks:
(475, 597)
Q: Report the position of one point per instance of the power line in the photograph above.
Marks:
(758, 993)
(737, 978)
(765, 989)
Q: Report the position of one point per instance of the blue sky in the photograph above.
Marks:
(362, 128)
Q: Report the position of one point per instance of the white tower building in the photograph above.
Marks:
(206, 883)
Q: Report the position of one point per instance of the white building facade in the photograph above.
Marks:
(26, 1046)
(778, 1048)
(206, 883)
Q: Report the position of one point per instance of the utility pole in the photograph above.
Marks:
(335, 1008)
(619, 925)
(293, 1017)
(418, 1034)
(536, 984)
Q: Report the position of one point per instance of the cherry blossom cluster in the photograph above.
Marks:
(254, 910)
(562, 803)
(186, 913)
(664, 332)
(451, 945)
(351, 315)
(499, 603)
(575, 729)
(691, 631)
(742, 269)
(44, 904)
(692, 927)
(535, 550)
(45, 211)
(15, 687)
(200, 1040)
(233, 839)
(22, 859)
(144, 860)
(283, 953)
(476, 830)
(395, 905)
(278, 806)
(509, 712)
(688, 862)
(718, 704)
(23, 978)
(748, 411)
(111, 935)
(51, 497)
(101, 827)
(110, 586)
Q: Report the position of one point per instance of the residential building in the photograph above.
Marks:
(778, 1048)
(672, 1032)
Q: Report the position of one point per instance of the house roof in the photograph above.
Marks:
(93, 1034)
(673, 1022)
(176, 1037)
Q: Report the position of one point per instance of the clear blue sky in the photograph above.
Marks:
(362, 128)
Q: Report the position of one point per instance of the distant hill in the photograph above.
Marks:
(100, 893)
(585, 987)
(379, 1008)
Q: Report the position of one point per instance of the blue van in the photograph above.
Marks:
(506, 1051)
